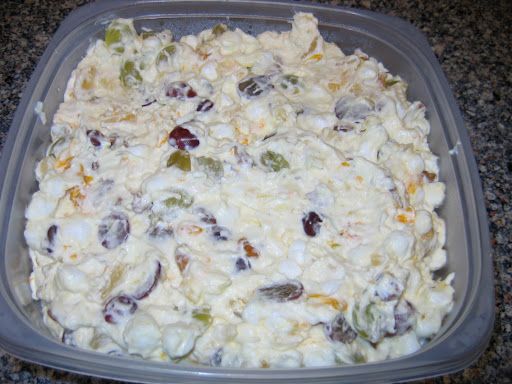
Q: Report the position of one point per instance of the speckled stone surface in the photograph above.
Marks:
(472, 40)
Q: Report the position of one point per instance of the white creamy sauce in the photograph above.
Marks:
(238, 201)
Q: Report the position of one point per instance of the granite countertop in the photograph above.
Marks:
(472, 40)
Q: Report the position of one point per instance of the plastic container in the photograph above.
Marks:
(402, 49)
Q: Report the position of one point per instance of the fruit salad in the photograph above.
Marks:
(238, 201)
